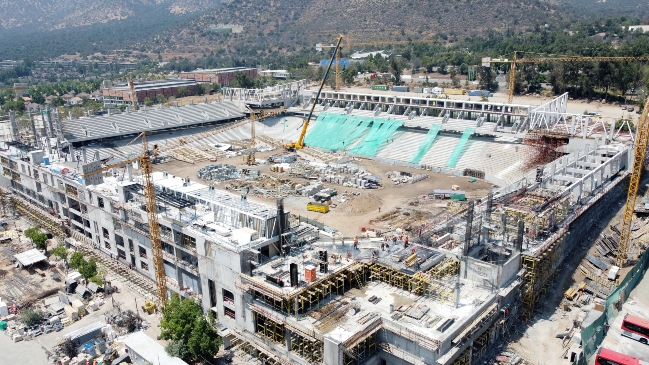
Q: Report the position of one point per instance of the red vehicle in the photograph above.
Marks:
(636, 328)
(610, 357)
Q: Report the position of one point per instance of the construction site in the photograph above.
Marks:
(339, 228)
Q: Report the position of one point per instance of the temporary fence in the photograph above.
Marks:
(593, 335)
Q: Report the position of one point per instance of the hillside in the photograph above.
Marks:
(47, 15)
(39, 29)
(291, 24)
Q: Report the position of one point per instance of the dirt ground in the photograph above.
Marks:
(400, 205)
(20, 284)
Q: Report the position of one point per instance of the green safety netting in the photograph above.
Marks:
(457, 152)
(426, 143)
(379, 132)
(319, 128)
(335, 131)
(349, 139)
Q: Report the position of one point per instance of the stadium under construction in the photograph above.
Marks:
(443, 298)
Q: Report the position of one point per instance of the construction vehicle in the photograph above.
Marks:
(299, 144)
(146, 166)
(149, 306)
(515, 61)
(317, 207)
(642, 136)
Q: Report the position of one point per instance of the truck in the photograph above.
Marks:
(380, 87)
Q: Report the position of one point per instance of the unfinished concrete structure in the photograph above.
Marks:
(443, 299)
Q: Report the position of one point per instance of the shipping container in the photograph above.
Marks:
(401, 89)
(480, 93)
(437, 90)
(453, 91)
(380, 87)
(417, 90)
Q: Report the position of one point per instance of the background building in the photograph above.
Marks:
(120, 94)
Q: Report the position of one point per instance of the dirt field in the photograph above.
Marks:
(400, 204)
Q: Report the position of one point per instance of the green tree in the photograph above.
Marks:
(204, 342)
(38, 238)
(61, 252)
(242, 80)
(30, 316)
(148, 101)
(77, 260)
(396, 69)
(182, 91)
(88, 269)
(160, 99)
(177, 349)
(487, 79)
(183, 322)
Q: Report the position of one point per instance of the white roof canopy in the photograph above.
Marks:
(30, 257)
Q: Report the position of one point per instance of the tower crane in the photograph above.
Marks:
(264, 113)
(144, 161)
(516, 61)
(300, 142)
(638, 165)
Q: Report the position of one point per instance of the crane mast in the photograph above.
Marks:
(642, 137)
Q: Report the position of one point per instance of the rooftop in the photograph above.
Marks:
(152, 85)
(30, 257)
(218, 70)
(145, 119)
(149, 349)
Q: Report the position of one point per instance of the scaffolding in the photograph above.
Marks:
(539, 275)
(464, 358)
(361, 351)
(543, 147)
(307, 347)
(308, 298)
(270, 329)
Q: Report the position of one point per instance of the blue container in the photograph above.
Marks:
(80, 180)
(46, 160)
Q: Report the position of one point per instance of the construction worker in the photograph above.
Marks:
(394, 239)
(382, 246)
(405, 241)
(355, 243)
(379, 209)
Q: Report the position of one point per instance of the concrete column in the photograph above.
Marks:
(129, 171)
(333, 354)
(612, 131)
(287, 339)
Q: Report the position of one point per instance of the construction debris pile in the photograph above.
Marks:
(218, 172)
(403, 177)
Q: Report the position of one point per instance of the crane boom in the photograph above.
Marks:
(300, 142)
(642, 137)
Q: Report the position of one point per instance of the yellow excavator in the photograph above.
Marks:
(299, 144)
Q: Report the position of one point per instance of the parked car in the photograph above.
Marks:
(629, 109)
(624, 107)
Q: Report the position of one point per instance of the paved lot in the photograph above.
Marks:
(637, 304)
